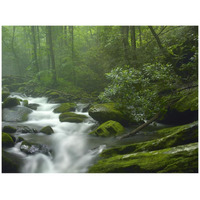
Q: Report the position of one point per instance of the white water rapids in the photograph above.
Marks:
(72, 150)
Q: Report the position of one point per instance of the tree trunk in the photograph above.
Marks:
(35, 50)
(38, 41)
(15, 54)
(140, 35)
(140, 127)
(125, 34)
(74, 70)
(164, 52)
(52, 55)
(48, 49)
(133, 44)
(65, 35)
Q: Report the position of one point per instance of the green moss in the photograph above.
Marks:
(9, 129)
(7, 140)
(10, 102)
(47, 130)
(182, 159)
(8, 164)
(188, 101)
(25, 103)
(5, 94)
(105, 112)
(109, 128)
(172, 137)
(65, 107)
(71, 117)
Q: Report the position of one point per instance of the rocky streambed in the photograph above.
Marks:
(44, 137)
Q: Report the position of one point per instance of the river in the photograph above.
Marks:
(72, 149)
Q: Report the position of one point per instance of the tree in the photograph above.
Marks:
(49, 31)
(35, 59)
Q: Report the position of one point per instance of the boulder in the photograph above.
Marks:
(105, 112)
(20, 139)
(47, 130)
(184, 110)
(16, 114)
(72, 117)
(25, 103)
(33, 106)
(65, 107)
(33, 148)
(109, 128)
(171, 137)
(7, 140)
(10, 102)
(5, 94)
(180, 159)
(9, 129)
(9, 165)
(26, 129)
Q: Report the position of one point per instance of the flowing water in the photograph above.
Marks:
(72, 149)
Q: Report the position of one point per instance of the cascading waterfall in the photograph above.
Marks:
(69, 144)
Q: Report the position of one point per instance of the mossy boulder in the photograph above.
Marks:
(33, 106)
(47, 130)
(106, 112)
(9, 165)
(109, 128)
(16, 114)
(33, 148)
(180, 159)
(7, 140)
(183, 110)
(25, 103)
(172, 137)
(65, 107)
(5, 94)
(9, 129)
(72, 117)
(10, 102)
(20, 139)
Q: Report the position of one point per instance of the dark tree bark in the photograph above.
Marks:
(140, 35)
(140, 127)
(35, 59)
(125, 34)
(133, 44)
(65, 35)
(72, 49)
(14, 52)
(164, 52)
(52, 55)
(48, 49)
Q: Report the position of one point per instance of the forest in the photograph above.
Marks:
(100, 99)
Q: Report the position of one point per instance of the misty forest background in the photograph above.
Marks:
(123, 62)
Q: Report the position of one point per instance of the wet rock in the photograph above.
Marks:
(9, 164)
(26, 129)
(10, 102)
(180, 159)
(172, 137)
(33, 106)
(65, 107)
(47, 130)
(109, 128)
(33, 148)
(9, 129)
(19, 139)
(106, 112)
(184, 110)
(16, 114)
(7, 140)
(5, 94)
(72, 117)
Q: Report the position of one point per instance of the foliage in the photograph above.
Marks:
(137, 91)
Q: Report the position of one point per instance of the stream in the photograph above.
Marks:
(72, 149)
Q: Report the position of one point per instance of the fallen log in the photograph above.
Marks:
(140, 127)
